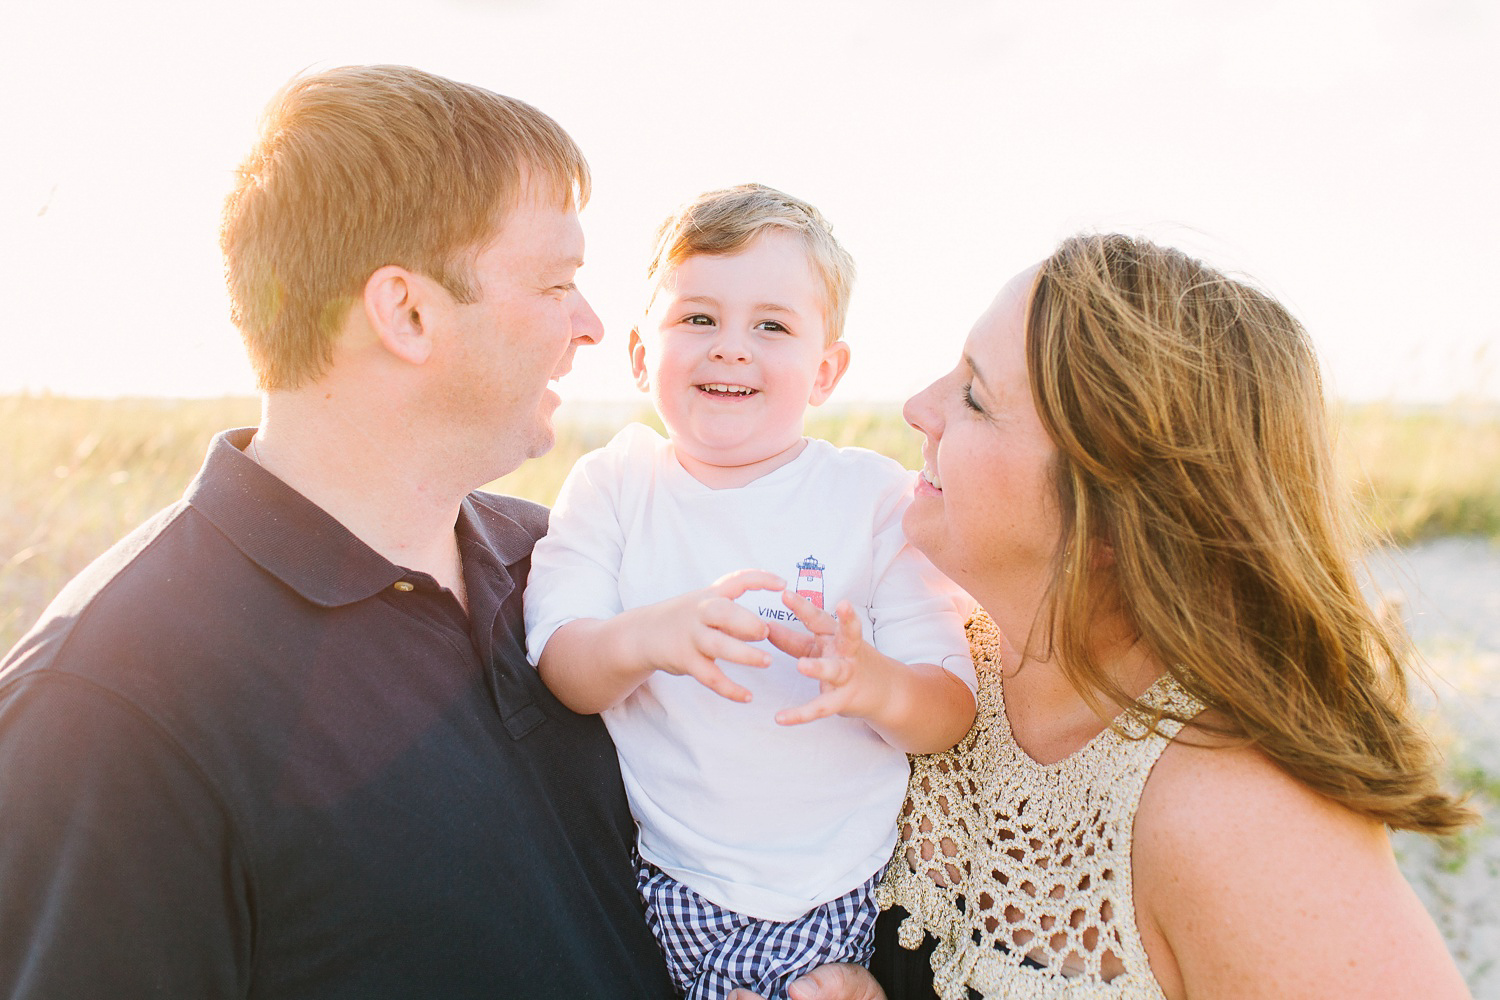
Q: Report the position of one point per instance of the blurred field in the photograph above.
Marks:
(1425, 473)
(77, 474)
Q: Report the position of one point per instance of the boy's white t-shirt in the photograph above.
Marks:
(766, 820)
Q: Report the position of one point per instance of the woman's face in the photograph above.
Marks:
(985, 508)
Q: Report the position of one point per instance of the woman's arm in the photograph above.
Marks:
(1249, 884)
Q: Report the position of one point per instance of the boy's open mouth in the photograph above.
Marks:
(724, 389)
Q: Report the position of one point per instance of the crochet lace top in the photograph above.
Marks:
(1022, 870)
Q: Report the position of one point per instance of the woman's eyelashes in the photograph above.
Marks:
(968, 397)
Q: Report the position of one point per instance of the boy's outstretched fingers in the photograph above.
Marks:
(820, 625)
(791, 641)
(826, 704)
(710, 676)
(726, 630)
(732, 585)
(815, 619)
(830, 658)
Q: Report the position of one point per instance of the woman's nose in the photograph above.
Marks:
(919, 411)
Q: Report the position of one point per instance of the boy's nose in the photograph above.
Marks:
(730, 345)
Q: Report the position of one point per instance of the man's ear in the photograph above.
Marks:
(638, 360)
(394, 301)
(835, 362)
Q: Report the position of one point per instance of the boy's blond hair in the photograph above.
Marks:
(364, 166)
(724, 222)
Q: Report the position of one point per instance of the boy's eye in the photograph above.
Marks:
(698, 319)
(772, 326)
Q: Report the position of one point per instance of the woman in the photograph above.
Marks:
(1130, 471)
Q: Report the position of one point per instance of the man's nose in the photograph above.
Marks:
(587, 328)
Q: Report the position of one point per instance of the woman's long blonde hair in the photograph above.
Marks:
(1200, 499)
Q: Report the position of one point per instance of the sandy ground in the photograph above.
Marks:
(1448, 592)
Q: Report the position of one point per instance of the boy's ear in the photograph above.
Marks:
(835, 362)
(638, 360)
(394, 299)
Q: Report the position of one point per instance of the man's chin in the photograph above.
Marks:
(541, 440)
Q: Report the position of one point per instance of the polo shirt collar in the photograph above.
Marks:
(480, 519)
(304, 546)
(283, 532)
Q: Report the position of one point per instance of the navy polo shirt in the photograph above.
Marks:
(244, 755)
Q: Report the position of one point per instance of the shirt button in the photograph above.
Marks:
(404, 587)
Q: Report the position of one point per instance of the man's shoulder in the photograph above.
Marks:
(121, 603)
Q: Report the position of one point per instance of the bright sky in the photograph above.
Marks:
(1342, 152)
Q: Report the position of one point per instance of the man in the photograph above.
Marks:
(282, 740)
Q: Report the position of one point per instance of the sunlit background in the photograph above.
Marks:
(1342, 153)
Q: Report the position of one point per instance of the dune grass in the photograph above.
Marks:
(77, 474)
(1425, 473)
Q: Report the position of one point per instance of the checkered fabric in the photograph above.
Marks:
(711, 950)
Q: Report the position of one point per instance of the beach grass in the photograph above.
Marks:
(1423, 473)
(77, 474)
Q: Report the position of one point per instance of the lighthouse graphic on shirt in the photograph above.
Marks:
(810, 581)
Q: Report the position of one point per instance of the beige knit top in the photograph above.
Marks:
(1022, 870)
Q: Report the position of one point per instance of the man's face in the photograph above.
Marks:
(500, 351)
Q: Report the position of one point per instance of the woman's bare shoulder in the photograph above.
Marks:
(1206, 788)
(1249, 883)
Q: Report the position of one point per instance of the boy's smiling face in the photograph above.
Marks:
(733, 351)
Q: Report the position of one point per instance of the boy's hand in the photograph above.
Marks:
(853, 678)
(685, 635)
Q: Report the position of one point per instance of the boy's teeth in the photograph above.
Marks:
(738, 390)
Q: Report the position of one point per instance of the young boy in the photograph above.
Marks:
(765, 776)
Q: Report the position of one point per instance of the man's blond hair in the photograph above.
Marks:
(366, 166)
(724, 222)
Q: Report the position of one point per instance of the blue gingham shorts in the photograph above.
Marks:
(711, 950)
